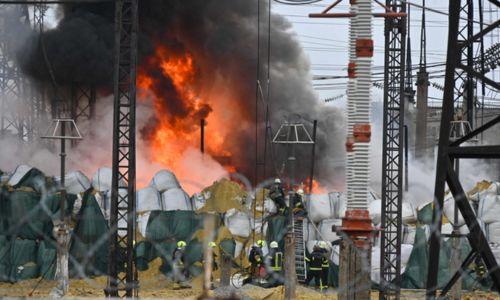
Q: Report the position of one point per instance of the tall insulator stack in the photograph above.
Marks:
(351, 108)
(355, 263)
(361, 102)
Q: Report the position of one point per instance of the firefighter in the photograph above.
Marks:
(325, 265)
(256, 258)
(315, 261)
(278, 196)
(179, 270)
(274, 265)
(298, 203)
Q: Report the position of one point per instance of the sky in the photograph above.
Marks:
(325, 42)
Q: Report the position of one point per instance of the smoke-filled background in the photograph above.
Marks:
(198, 59)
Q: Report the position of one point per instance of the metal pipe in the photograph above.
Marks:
(313, 157)
(63, 169)
(406, 157)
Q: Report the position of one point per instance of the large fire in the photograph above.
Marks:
(181, 100)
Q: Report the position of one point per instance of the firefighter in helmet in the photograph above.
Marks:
(179, 269)
(256, 258)
(274, 265)
(298, 203)
(325, 265)
(278, 195)
(315, 260)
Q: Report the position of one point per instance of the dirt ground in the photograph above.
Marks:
(162, 288)
(153, 284)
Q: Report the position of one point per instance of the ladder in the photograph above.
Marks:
(300, 249)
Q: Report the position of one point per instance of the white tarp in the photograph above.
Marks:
(148, 199)
(269, 207)
(405, 256)
(238, 248)
(18, 174)
(238, 223)
(198, 201)
(142, 222)
(335, 254)
(308, 231)
(496, 252)
(175, 199)
(408, 213)
(78, 204)
(101, 181)
(493, 231)
(375, 210)
(340, 204)
(320, 207)
(489, 208)
(74, 182)
(449, 211)
(325, 230)
(256, 225)
(104, 201)
(165, 180)
(409, 234)
(4, 178)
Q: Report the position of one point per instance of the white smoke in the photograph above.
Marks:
(194, 170)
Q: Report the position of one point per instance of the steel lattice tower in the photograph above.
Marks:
(392, 163)
(451, 151)
(464, 82)
(122, 272)
(12, 105)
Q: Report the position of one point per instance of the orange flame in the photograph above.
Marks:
(179, 112)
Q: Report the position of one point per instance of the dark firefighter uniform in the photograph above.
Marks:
(278, 196)
(179, 270)
(256, 258)
(274, 265)
(316, 261)
(325, 268)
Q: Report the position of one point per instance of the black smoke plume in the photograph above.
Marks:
(222, 37)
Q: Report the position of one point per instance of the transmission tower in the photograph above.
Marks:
(449, 152)
(392, 160)
(122, 279)
(13, 107)
(422, 93)
(409, 91)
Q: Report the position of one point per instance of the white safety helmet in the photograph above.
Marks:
(300, 192)
(273, 245)
(322, 244)
(277, 180)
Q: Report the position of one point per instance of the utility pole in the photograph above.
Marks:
(421, 147)
(67, 131)
(122, 280)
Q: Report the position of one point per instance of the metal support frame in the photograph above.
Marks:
(122, 279)
(464, 82)
(393, 142)
(449, 151)
(12, 107)
(83, 99)
(421, 138)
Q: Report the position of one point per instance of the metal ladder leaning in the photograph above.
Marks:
(300, 250)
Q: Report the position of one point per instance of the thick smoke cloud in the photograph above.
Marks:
(222, 37)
